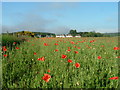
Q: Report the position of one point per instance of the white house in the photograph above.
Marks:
(69, 35)
(62, 35)
(77, 36)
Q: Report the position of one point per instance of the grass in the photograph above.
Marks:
(21, 69)
(8, 40)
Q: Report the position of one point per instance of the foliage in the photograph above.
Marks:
(8, 40)
(25, 33)
(90, 34)
(65, 62)
(73, 32)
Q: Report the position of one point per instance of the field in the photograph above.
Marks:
(61, 63)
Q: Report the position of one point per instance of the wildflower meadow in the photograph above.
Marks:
(86, 62)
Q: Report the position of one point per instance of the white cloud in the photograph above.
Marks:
(107, 30)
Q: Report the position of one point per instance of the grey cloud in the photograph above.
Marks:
(35, 23)
(60, 30)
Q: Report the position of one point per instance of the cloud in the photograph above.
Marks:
(60, 30)
(30, 22)
(107, 30)
(35, 23)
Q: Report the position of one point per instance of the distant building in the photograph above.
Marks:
(61, 35)
(77, 36)
(69, 35)
(38, 36)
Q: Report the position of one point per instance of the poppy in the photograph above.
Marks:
(45, 44)
(92, 41)
(118, 57)
(68, 50)
(32, 44)
(102, 45)
(17, 48)
(48, 70)
(78, 47)
(46, 77)
(112, 78)
(72, 42)
(14, 42)
(68, 47)
(116, 48)
(99, 57)
(76, 52)
(77, 65)
(56, 50)
(5, 55)
(55, 44)
(64, 56)
(41, 59)
(4, 49)
(74, 46)
(35, 53)
(70, 61)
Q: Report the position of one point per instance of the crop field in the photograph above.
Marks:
(86, 62)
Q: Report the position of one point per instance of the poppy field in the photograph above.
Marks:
(86, 62)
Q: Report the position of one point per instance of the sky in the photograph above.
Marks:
(60, 17)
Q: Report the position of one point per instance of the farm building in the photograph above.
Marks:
(61, 35)
(77, 36)
(67, 35)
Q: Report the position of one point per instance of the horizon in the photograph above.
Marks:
(60, 17)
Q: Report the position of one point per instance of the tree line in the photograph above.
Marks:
(87, 34)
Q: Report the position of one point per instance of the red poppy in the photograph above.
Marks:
(64, 56)
(5, 55)
(35, 53)
(46, 77)
(72, 42)
(77, 65)
(70, 61)
(4, 49)
(112, 78)
(68, 50)
(32, 44)
(17, 48)
(14, 42)
(78, 47)
(92, 41)
(48, 70)
(102, 45)
(116, 48)
(99, 57)
(56, 50)
(118, 57)
(74, 46)
(45, 44)
(76, 52)
(68, 47)
(41, 59)
(55, 44)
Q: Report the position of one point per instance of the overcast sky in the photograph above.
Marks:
(60, 17)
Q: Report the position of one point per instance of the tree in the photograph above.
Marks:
(73, 32)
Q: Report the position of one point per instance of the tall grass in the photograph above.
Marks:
(22, 69)
(8, 40)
